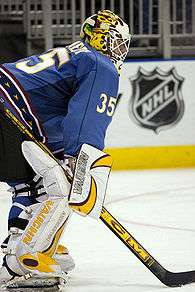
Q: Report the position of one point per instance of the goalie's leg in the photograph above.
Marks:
(26, 199)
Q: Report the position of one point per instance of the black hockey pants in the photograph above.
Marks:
(13, 166)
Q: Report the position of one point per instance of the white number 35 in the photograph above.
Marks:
(108, 105)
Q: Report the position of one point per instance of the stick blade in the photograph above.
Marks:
(178, 279)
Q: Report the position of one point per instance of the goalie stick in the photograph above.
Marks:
(168, 278)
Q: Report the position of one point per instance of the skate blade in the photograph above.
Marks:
(22, 284)
(49, 289)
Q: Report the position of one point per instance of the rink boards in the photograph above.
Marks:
(154, 121)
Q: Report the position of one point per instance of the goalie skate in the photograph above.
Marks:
(29, 281)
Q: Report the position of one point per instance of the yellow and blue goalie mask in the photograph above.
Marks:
(107, 33)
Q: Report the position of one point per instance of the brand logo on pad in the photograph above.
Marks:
(156, 101)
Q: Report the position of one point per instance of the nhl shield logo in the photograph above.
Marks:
(156, 101)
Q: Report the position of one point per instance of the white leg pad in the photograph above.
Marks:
(37, 245)
(39, 241)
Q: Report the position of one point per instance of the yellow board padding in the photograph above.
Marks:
(152, 157)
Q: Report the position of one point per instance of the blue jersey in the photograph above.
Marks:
(73, 91)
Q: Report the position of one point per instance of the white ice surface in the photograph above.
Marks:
(156, 207)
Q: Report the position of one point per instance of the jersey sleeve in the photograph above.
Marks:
(91, 108)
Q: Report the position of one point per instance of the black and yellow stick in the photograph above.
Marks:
(170, 279)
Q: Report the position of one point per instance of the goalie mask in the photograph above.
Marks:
(107, 33)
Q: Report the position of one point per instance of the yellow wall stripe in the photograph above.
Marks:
(152, 157)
